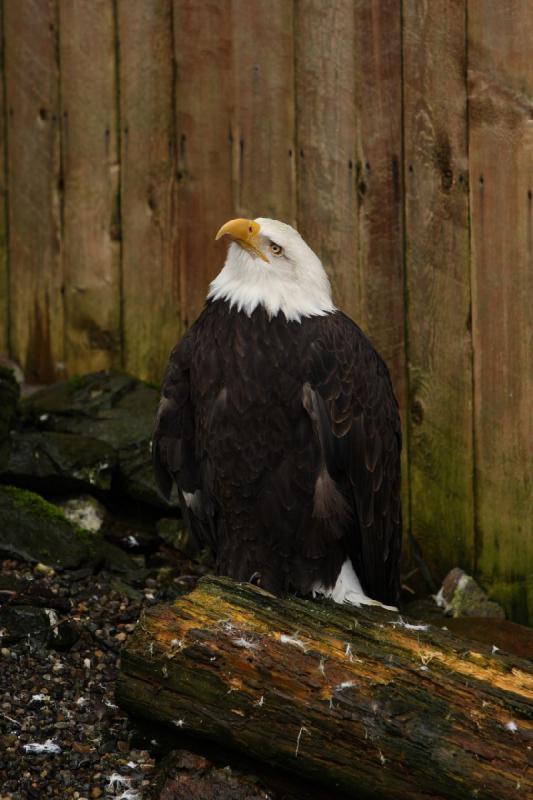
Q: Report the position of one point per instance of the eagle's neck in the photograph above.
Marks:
(246, 283)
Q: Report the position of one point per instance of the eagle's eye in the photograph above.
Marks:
(276, 249)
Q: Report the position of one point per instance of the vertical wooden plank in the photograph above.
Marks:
(438, 283)
(378, 69)
(4, 275)
(378, 190)
(263, 123)
(501, 181)
(32, 89)
(203, 46)
(326, 139)
(149, 186)
(91, 251)
(349, 134)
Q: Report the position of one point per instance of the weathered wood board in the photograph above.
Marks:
(501, 190)
(325, 139)
(4, 254)
(90, 165)
(203, 43)
(264, 175)
(358, 700)
(148, 198)
(437, 257)
(378, 184)
(33, 132)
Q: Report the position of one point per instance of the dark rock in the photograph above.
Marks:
(78, 397)
(136, 476)
(66, 635)
(174, 533)
(9, 398)
(35, 594)
(20, 622)
(55, 462)
(131, 526)
(115, 409)
(37, 531)
(108, 556)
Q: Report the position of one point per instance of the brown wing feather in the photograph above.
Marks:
(173, 439)
(361, 438)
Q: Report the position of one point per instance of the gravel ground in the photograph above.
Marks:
(61, 734)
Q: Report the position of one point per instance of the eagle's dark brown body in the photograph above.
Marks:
(287, 435)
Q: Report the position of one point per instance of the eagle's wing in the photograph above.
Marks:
(175, 453)
(173, 438)
(356, 416)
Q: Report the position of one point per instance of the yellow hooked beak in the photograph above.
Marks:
(244, 232)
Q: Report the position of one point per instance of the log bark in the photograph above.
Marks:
(357, 699)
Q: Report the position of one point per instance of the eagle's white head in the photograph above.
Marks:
(269, 264)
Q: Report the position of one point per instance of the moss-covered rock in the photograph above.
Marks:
(37, 531)
(461, 596)
(78, 397)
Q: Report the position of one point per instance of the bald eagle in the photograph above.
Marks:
(279, 425)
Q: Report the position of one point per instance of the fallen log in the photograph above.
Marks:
(357, 699)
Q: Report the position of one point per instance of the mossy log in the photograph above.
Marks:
(357, 699)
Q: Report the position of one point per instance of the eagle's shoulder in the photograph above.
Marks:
(335, 346)
(173, 414)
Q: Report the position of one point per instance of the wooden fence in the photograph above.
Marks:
(396, 134)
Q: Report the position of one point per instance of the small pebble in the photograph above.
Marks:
(43, 569)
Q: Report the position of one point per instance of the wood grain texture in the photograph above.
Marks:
(150, 290)
(91, 247)
(32, 90)
(326, 141)
(501, 186)
(378, 181)
(204, 55)
(356, 699)
(378, 193)
(263, 117)
(438, 283)
(4, 254)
